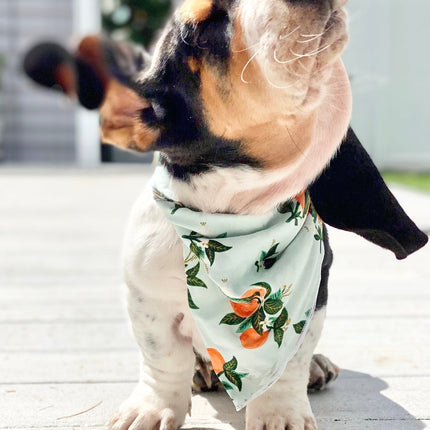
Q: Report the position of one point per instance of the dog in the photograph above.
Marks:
(248, 104)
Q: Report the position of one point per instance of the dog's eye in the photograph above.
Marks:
(153, 115)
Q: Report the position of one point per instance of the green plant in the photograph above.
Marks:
(137, 20)
(420, 181)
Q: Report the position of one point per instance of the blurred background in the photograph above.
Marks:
(386, 60)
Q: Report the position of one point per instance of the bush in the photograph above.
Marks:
(137, 20)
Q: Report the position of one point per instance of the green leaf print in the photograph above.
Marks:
(230, 365)
(272, 306)
(264, 285)
(319, 236)
(278, 336)
(290, 207)
(210, 253)
(298, 328)
(232, 319)
(281, 320)
(196, 282)
(277, 295)
(191, 273)
(245, 325)
(257, 319)
(272, 251)
(234, 378)
(267, 259)
(191, 303)
(244, 299)
(286, 207)
(226, 385)
(217, 246)
(177, 206)
(192, 236)
(196, 250)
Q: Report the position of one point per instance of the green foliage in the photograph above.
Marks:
(139, 19)
(419, 181)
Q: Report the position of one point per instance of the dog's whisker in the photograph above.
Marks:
(314, 36)
(303, 66)
(282, 37)
(312, 53)
(279, 87)
(242, 78)
(246, 49)
(317, 36)
(291, 60)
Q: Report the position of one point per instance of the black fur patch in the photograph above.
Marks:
(173, 90)
(351, 195)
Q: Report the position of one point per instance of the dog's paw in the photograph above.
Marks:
(322, 372)
(204, 378)
(147, 410)
(273, 414)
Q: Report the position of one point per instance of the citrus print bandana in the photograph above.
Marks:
(252, 285)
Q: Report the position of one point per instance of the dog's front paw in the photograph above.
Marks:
(275, 414)
(146, 409)
(322, 372)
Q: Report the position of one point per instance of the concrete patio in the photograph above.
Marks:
(67, 358)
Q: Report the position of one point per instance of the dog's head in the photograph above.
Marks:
(254, 83)
(230, 82)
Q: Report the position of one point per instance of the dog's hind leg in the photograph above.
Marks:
(161, 321)
(322, 372)
(286, 405)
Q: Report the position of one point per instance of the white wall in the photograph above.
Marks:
(87, 20)
(389, 64)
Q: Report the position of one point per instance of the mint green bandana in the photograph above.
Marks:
(252, 285)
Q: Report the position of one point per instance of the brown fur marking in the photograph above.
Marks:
(195, 11)
(120, 124)
(243, 111)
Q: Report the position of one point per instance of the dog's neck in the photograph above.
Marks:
(248, 190)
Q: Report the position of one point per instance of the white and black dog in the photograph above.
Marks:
(248, 103)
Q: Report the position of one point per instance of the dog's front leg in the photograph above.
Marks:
(286, 405)
(161, 321)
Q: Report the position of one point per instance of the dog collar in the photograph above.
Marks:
(252, 282)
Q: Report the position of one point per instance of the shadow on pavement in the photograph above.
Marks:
(356, 399)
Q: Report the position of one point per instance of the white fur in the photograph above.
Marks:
(286, 405)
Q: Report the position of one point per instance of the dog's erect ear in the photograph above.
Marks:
(351, 195)
(87, 72)
(101, 74)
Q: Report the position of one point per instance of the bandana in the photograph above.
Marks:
(252, 285)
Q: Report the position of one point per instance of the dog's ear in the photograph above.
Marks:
(351, 195)
(102, 75)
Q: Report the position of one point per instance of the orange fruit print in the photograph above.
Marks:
(217, 360)
(250, 339)
(244, 310)
(301, 198)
